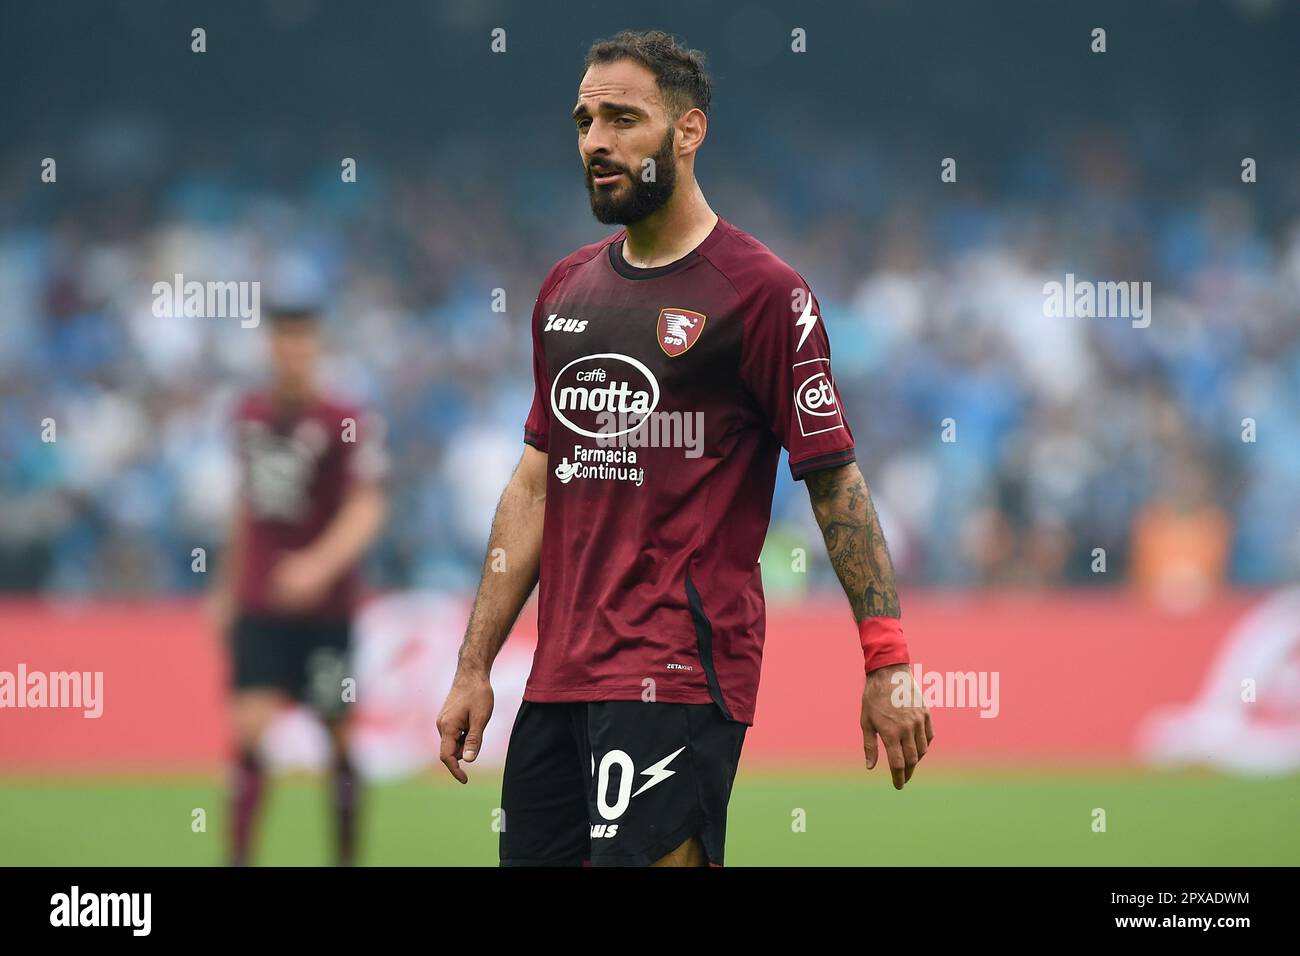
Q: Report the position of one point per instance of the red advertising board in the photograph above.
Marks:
(1083, 678)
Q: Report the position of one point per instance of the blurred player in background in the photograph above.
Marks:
(310, 503)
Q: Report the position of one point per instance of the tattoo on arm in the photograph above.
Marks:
(854, 542)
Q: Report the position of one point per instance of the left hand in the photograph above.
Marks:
(906, 730)
(298, 581)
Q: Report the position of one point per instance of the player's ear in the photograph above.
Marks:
(692, 126)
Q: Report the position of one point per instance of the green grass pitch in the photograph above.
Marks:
(942, 818)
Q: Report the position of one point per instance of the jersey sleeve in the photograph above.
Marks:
(368, 461)
(786, 366)
(537, 427)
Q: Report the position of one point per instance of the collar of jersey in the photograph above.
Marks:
(629, 271)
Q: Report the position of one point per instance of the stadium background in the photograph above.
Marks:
(1117, 690)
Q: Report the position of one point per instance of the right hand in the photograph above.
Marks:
(460, 725)
(899, 716)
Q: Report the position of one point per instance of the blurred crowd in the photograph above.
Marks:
(1003, 446)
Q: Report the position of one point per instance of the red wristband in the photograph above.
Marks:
(882, 642)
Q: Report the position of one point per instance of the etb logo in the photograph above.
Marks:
(814, 397)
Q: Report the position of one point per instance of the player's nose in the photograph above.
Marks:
(595, 142)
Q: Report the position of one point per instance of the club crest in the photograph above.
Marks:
(678, 330)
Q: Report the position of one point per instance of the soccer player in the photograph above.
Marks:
(650, 614)
(310, 503)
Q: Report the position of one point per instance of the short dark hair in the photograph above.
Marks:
(295, 316)
(679, 72)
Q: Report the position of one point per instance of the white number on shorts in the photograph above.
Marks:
(624, 784)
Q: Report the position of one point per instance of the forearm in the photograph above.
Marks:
(346, 538)
(510, 572)
(855, 544)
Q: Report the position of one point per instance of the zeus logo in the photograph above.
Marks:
(657, 772)
(558, 323)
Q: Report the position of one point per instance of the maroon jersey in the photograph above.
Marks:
(663, 398)
(296, 465)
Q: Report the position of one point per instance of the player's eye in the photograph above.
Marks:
(583, 124)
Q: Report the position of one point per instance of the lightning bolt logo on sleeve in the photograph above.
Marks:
(806, 321)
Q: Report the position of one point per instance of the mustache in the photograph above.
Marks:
(609, 166)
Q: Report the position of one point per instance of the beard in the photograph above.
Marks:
(639, 199)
